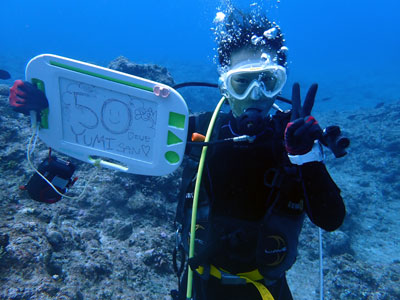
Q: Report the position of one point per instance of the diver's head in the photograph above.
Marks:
(252, 80)
(252, 69)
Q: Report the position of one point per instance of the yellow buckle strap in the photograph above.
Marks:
(262, 289)
(253, 275)
(250, 277)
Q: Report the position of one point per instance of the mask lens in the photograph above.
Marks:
(268, 80)
(241, 81)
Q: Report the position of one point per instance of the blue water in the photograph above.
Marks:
(349, 47)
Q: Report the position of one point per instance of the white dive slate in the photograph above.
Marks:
(132, 124)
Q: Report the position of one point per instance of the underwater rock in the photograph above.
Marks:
(338, 243)
(68, 293)
(55, 239)
(88, 235)
(53, 265)
(48, 288)
(124, 232)
(4, 240)
(4, 90)
(93, 216)
(95, 261)
(95, 270)
(44, 215)
(23, 250)
(119, 230)
(157, 260)
(148, 71)
(18, 294)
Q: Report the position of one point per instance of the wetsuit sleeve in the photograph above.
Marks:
(324, 204)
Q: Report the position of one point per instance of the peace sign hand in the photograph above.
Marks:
(303, 129)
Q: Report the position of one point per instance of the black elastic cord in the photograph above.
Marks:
(178, 270)
(195, 83)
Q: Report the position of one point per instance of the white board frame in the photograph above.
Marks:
(165, 133)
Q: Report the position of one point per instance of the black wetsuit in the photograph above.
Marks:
(257, 202)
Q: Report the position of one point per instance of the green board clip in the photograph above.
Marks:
(44, 114)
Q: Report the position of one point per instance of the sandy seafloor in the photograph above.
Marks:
(116, 243)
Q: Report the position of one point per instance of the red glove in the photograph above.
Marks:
(303, 129)
(24, 97)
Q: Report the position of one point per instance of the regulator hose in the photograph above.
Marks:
(196, 195)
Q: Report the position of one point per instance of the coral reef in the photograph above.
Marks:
(117, 241)
(148, 71)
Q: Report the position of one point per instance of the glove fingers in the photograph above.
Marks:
(315, 132)
(28, 91)
(27, 87)
(292, 127)
(310, 128)
(25, 97)
(18, 89)
(302, 130)
(15, 99)
(296, 102)
(310, 99)
(309, 132)
(21, 94)
(19, 102)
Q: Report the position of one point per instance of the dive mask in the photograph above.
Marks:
(254, 79)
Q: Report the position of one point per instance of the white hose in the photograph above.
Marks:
(321, 267)
(29, 151)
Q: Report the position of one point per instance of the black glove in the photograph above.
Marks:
(303, 129)
(24, 97)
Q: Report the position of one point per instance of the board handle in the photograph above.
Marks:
(99, 161)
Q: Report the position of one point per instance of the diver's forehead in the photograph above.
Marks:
(250, 54)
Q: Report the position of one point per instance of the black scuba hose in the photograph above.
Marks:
(209, 143)
(195, 83)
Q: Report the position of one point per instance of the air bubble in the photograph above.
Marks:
(284, 49)
(265, 58)
(271, 33)
(256, 40)
(219, 17)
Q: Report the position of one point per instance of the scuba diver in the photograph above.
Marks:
(255, 192)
